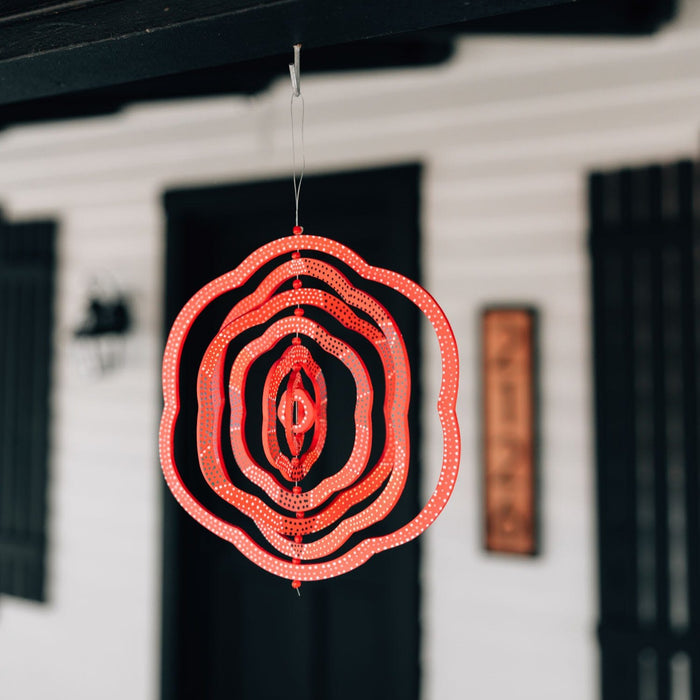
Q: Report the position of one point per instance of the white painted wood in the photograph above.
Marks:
(507, 132)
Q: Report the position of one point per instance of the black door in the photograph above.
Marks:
(231, 630)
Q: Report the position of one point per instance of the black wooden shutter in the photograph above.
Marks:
(646, 299)
(26, 296)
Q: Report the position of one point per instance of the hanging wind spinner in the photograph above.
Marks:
(306, 533)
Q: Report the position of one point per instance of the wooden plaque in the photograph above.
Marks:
(509, 421)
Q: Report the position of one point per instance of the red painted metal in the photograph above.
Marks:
(295, 395)
(313, 413)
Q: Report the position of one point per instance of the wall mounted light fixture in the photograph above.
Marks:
(101, 334)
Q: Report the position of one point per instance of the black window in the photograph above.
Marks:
(646, 297)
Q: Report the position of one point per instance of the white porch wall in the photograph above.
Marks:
(507, 132)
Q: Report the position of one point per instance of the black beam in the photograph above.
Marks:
(596, 17)
(425, 48)
(54, 48)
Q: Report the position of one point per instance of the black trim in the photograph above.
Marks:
(616, 17)
(68, 47)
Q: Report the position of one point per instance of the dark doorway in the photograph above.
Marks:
(231, 630)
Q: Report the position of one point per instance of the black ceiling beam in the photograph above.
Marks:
(419, 49)
(597, 17)
(50, 48)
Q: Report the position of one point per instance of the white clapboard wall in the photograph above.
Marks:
(507, 132)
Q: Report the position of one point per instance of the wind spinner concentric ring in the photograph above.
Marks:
(303, 532)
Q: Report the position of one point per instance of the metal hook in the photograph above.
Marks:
(295, 70)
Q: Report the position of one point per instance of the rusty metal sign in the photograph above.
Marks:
(509, 423)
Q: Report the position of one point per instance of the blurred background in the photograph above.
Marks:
(542, 160)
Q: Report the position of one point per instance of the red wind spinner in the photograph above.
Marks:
(304, 529)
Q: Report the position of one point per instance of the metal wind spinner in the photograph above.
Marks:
(304, 533)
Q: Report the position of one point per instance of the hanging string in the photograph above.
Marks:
(297, 99)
